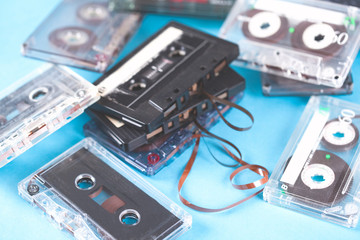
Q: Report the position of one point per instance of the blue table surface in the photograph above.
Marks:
(275, 120)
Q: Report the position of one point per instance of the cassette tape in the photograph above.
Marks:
(225, 86)
(310, 41)
(90, 194)
(160, 75)
(39, 104)
(82, 33)
(274, 85)
(354, 3)
(195, 8)
(159, 152)
(318, 172)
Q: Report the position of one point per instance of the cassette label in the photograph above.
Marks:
(310, 41)
(318, 170)
(226, 85)
(38, 105)
(196, 8)
(82, 33)
(161, 74)
(91, 194)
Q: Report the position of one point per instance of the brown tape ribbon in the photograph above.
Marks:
(243, 165)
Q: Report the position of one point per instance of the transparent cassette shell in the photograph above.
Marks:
(318, 172)
(211, 8)
(274, 85)
(69, 217)
(38, 105)
(151, 158)
(81, 33)
(310, 41)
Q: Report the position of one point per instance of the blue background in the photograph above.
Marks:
(275, 119)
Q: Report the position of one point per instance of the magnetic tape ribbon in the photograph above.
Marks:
(243, 165)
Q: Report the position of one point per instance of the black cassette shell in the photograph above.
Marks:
(277, 36)
(154, 217)
(330, 194)
(175, 86)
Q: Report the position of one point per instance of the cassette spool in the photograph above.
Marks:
(82, 33)
(158, 78)
(90, 194)
(39, 104)
(159, 152)
(195, 8)
(226, 85)
(274, 85)
(310, 41)
(318, 172)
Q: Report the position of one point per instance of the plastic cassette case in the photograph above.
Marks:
(196, 8)
(39, 104)
(318, 173)
(160, 152)
(226, 85)
(90, 194)
(82, 33)
(159, 77)
(274, 85)
(309, 40)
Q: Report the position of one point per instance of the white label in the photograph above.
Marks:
(305, 147)
(139, 60)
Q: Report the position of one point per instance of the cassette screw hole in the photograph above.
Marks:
(318, 178)
(153, 158)
(129, 217)
(202, 68)
(319, 37)
(176, 90)
(169, 99)
(177, 52)
(80, 93)
(33, 189)
(85, 182)
(265, 25)
(336, 77)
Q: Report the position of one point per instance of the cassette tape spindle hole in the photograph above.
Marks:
(129, 217)
(85, 181)
(38, 94)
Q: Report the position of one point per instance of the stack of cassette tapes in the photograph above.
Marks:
(195, 8)
(319, 171)
(38, 105)
(311, 42)
(150, 97)
(82, 33)
(90, 194)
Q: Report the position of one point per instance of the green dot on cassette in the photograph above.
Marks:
(328, 156)
(291, 30)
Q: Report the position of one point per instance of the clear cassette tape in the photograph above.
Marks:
(310, 41)
(318, 173)
(82, 33)
(162, 151)
(196, 8)
(274, 85)
(90, 194)
(38, 105)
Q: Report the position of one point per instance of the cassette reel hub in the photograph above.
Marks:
(93, 12)
(318, 36)
(317, 176)
(264, 24)
(340, 136)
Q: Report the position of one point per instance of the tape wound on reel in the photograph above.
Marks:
(240, 165)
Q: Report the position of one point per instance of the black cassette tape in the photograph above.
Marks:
(159, 152)
(196, 8)
(226, 85)
(160, 75)
(82, 33)
(274, 85)
(90, 194)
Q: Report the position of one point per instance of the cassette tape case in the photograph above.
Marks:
(90, 194)
(318, 173)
